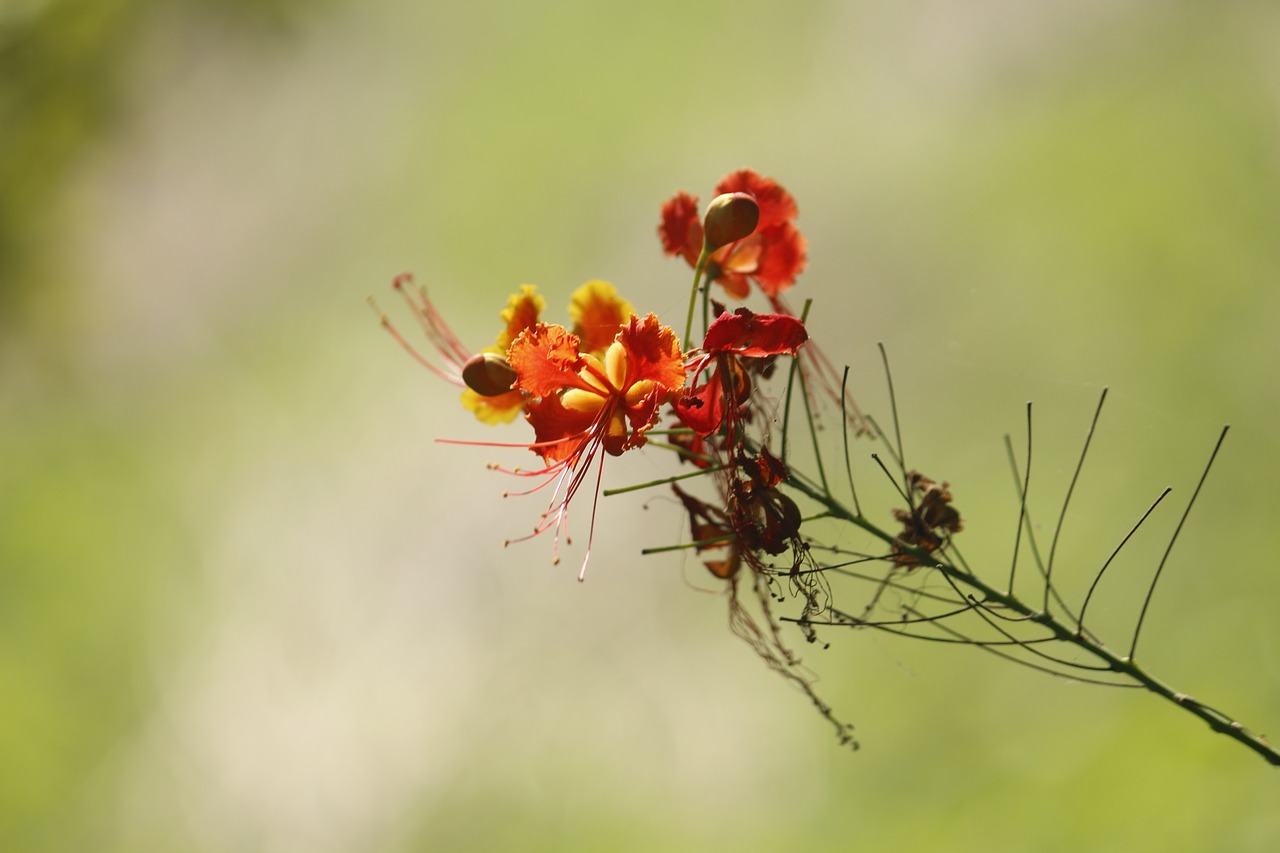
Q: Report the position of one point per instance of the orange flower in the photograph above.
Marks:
(595, 307)
(772, 256)
(579, 402)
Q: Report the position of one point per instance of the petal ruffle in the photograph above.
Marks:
(546, 360)
(653, 353)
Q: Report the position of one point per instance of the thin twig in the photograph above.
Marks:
(1137, 629)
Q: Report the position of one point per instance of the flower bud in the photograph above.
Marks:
(730, 217)
(488, 374)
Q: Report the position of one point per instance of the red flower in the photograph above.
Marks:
(579, 403)
(580, 400)
(742, 334)
(772, 256)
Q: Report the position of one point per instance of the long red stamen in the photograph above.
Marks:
(433, 325)
(409, 348)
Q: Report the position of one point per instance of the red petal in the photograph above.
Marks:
(681, 228)
(776, 204)
(755, 335)
(782, 258)
(702, 409)
(561, 433)
(546, 360)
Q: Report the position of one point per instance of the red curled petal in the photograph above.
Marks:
(755, 335)
(776, 204)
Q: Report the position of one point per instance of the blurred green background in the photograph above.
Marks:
(246, 603)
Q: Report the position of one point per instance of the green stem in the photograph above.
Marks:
(698, 270)
(664, 481)
(1217, 721)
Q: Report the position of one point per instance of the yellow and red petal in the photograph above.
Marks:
(522, 311)
(560, 434)
(598, 312)
(776, 204)
(546, 360)
(653, 352)
(681, 227)
(642, 414)
(493, 410)
(782, 258)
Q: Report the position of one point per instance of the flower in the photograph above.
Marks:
(486, 378)
(597, 312)
(772, 256)
(597, 386)
(730, 338)
(578, 402)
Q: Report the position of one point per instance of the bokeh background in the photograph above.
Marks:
(246, 603)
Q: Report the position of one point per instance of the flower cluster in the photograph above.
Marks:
(602, 383)
(772, 255)
(772, 533)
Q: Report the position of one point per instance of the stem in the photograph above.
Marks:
(698, 270)
(1217, 721)
(663, 481)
